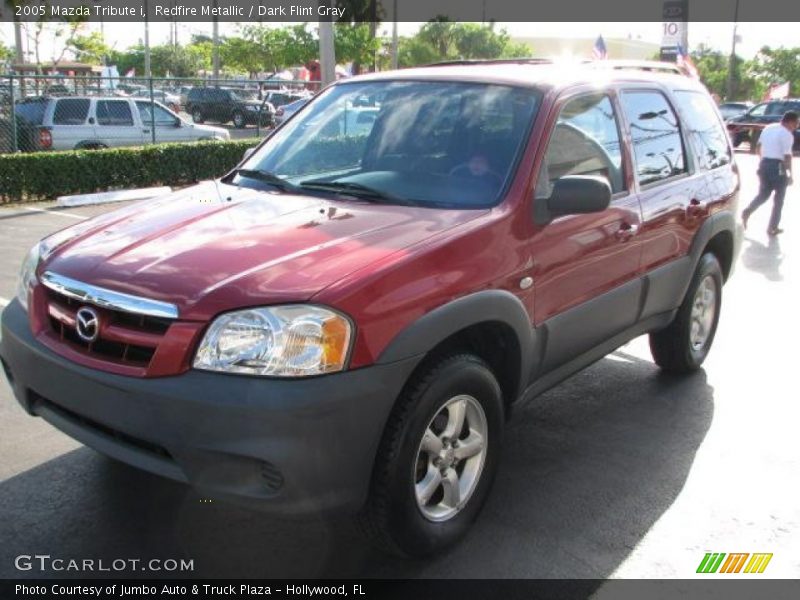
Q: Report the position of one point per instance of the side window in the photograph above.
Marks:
(656, 136)
(71, 111)
(708, 139)
(114, 113)
(162, 117)
(585, 141)
(758, 110)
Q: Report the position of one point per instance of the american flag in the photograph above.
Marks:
(686, 64)
(599, 52)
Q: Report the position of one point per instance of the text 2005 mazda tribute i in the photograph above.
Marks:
(344, 321)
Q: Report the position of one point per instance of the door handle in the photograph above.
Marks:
(145, 130)
(626, 231)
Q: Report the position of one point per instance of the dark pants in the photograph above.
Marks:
(772, 178)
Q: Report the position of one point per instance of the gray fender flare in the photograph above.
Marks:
(421, 336)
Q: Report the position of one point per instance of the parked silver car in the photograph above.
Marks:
(85, 122)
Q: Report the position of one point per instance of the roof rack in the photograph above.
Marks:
(635, 65)
(492, 61)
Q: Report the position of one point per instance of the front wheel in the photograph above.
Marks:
(684, 344)
(238, 120)
(197, 115)
(437, 459)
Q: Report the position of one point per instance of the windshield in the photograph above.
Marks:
(437, 144)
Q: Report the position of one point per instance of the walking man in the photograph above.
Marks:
(775, 169)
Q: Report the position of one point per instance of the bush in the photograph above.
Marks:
(45, 175)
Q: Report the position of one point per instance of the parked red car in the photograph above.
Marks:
(345, 321)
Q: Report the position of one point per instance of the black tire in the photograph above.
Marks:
(197, 115)
(90, 146)
(238, 120)
(672, 348)
(392, 517)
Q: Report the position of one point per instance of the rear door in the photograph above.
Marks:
(586, 265)
(71, 125)
(116, 126)
(674, 192)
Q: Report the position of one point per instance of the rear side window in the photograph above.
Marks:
(707, 138)
(71, 111)
(585, 141)
(114, 112)
(656, 136)
(32, 112)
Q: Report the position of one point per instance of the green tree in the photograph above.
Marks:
(6, 53)
(777, 65)
(713, 65)
(89, 48)
(414, 51)
(355, 43)
(440, 33)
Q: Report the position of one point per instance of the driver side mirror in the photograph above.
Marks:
(574, 194)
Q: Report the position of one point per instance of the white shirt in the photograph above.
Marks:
(776, 141)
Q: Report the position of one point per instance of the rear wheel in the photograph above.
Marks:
(437, 458)
(238, 120)
(197, 115)
(684, 344)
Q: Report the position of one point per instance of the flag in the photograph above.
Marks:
(778, 91)
(686, 64)
(131, 73)
(599, 52)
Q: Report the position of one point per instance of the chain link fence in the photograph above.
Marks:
(51, 113)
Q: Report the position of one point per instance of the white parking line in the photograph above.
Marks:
(54, 212)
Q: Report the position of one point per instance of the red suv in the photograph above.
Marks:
(345, 320)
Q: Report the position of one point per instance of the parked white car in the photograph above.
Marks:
(85, 122)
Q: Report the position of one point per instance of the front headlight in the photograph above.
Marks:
(280, 341)
(27, 275)
(253, 108)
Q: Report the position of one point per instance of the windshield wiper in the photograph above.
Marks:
(267, 177)
(359, 190)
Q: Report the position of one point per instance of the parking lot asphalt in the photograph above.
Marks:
(618, 472)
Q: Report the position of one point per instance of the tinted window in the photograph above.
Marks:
(32, 112)
(707, 138)
(162, 116)
(114, 112)
(656, 137)
(71, 112)
(585, 141)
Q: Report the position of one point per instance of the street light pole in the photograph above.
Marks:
(732, 60)
(327, 53)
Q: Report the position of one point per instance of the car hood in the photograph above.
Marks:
(215, 247)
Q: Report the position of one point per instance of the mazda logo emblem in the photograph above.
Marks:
(87, 324)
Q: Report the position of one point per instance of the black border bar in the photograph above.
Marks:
(410, 10)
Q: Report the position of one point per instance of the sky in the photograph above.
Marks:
(717, 35)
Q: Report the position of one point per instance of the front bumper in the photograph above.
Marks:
(291, 447)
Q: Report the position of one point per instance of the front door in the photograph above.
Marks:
(586, 266)
(168, 126)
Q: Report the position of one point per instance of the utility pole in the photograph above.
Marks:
(394, 35)
(327, 53)
(732, 61)
(18, 50)
(215, 44)
(147, 72)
